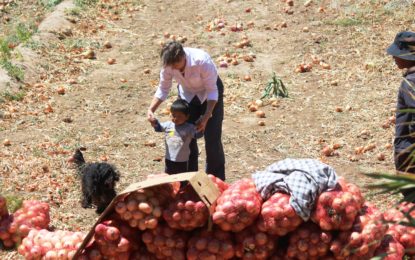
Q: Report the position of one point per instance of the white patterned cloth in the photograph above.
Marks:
(303, 179)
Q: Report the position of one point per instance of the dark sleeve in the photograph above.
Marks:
(406, 97)
(405, 114)
(158, 127)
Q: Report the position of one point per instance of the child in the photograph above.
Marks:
(178, 135)
(403, 52)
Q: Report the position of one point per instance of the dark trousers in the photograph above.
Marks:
(175, 167)
(404, 163)
(215, 157)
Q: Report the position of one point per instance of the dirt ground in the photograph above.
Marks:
(104, 106)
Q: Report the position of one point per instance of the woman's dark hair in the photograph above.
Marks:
(180, 105)
(171, 53)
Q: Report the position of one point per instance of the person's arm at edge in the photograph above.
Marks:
(161, 93)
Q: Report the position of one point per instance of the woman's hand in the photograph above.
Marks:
(153, 107)
(201, 123)
(150, 117)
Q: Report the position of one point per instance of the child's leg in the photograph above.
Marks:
(175, 167)
(194, 156)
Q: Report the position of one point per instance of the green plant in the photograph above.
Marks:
(34, 45)
(84, 3)
(13, 70)
(13, 203)
(23, 32)
(80, 43)
(275, 88)
(76, 11)
(74, 43)
(18, 96)
(49, 3)
(394, 184)
(4, 49)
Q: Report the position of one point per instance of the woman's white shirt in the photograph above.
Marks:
(199, 79)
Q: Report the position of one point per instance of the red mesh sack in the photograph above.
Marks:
(254, 244)
(404, 234)
(32, 215)
(217, 244)
(390, 248)
(166, 243)
(187, 211)
(336, 210)
(238, 206)
(309, 242)
(364, 238)
(277, 217)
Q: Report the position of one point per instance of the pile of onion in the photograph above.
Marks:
(309, 242)
(50, 245)
(353, 189)
(238, 206)
(283, 256)
(187, 211)
(277, 217)
(165, 242)
(142, 254)
(221, 185)
(336, 210)
(140, 209)
(254, 244)
(217, 244)
(391, 248)
(112, 240)
(404, 234)
(364, 238)
(32, 215)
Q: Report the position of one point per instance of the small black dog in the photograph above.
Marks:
(98, 182)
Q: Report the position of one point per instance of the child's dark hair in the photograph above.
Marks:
(171, 53)
(180, 105)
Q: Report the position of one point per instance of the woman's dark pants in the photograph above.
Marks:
(215, 157)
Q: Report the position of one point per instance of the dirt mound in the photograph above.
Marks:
(28, 60)
(56, 21)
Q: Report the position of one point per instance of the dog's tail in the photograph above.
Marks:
(77, 158)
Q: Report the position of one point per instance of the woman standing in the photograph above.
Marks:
(201, 87)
